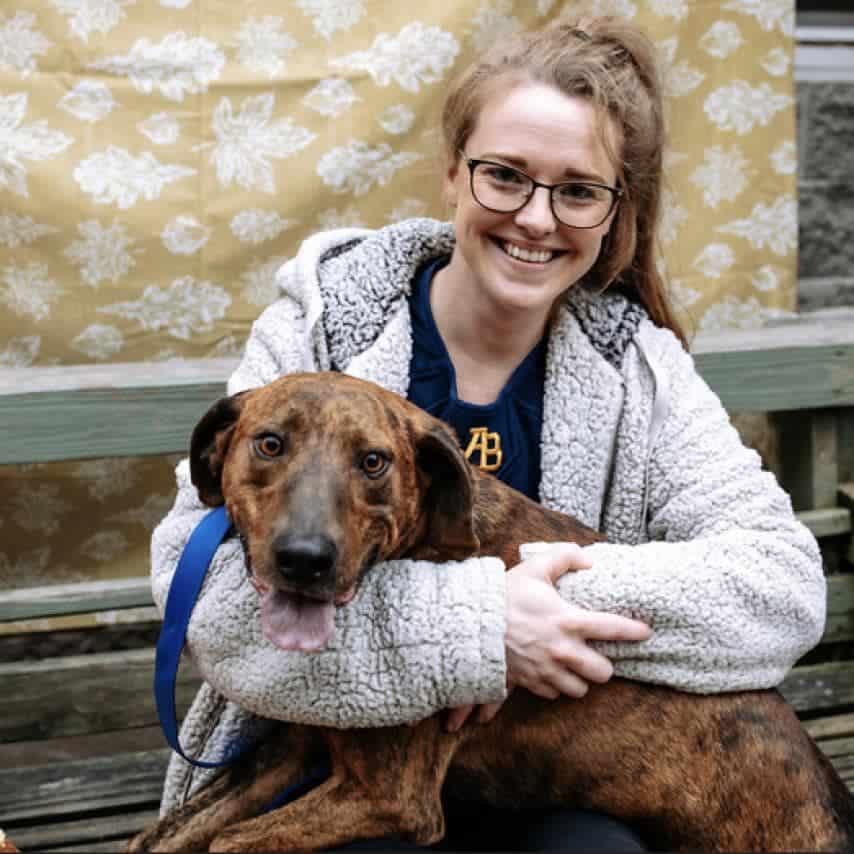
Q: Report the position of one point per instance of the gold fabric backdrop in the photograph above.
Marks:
(159, 160)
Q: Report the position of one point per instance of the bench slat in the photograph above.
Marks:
(81, 694)
(81, 598)
(820, 687)
(110, 831)
(125, 781)
(79, 411)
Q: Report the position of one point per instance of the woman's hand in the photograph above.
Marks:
(546, 637)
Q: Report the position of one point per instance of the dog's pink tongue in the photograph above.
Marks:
(296, 623)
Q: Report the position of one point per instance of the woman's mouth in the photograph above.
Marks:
(529, 256)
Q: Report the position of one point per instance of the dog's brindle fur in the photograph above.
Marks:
(719, 772)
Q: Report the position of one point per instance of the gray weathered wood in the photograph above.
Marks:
(110, 831)
(810, 470)
(829, 522)
(820, 687)
(124, 781)
(81, 598)
(84, 694)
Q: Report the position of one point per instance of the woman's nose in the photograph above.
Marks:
(536, 215)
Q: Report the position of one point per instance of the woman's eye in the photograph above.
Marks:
(578, 192)
(503, 175)
(374, 464)
(269, 445)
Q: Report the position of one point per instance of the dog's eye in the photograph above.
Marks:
(374, 463)
(269, 445)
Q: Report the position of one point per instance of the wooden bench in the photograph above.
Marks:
(80, 751)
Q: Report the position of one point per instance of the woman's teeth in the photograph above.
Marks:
(539, 256)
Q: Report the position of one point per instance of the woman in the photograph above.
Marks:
(537, 316)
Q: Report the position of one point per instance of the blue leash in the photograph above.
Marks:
(183, 593)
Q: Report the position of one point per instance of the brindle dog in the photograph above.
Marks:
(324, 475)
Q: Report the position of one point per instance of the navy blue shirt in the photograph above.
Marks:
(502, 437)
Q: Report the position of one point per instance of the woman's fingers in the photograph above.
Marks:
(597, 625)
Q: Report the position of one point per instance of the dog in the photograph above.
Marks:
(324, 475)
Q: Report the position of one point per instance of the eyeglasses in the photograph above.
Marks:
(503, 189)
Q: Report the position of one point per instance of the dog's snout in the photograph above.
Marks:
(305, 558)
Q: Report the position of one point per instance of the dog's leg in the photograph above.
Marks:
(243, 791)
(385, 782)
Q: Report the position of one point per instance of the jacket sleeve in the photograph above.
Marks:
(416, 639)
(731, 583)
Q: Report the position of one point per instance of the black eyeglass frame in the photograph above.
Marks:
(473, 163)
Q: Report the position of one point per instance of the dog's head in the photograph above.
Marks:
(323, 475)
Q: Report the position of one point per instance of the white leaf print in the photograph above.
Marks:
(89, 101)
(774, 226)
(21, 43)
(331, 218)
(185, 235)
(21, 230)
(178, 66)
(770, 14)
(29, 290)
(99, 341)
(680, 78)
(397, 119)
(116, 177)
(19, 142)
(263, 46)
(722, 39)
(767, 278)
(149, 515)
(92, 16)
(356, 167)
(247, 141)
(714, 260)
(184, 308)
(105, 546)
(331, 97)
(491, 22)
(776, 62)
(332, 16)
(38, 507)
(784, 158)
(107, 478)
(103, 254)
(723, 176)
(740, 107)
(676, 9)
(160, 128)
(256, 225)
(21, 352)
(673, 215)
(259, 281)
(417, 55)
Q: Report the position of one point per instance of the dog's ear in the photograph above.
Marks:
(449, 494)
(209, 446)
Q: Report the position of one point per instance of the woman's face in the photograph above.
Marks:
(552, 138)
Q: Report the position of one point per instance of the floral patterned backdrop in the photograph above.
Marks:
(159, 159)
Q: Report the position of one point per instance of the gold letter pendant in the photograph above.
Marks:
(489, 445)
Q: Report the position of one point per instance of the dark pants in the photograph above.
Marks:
(484, 829)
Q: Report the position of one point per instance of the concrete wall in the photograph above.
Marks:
(826, 192)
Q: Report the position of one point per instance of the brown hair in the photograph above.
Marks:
(613, 64)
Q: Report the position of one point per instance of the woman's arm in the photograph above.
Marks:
(732, 583)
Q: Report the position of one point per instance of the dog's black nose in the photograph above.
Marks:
(305, 558)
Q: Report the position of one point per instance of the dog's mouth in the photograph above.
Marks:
(297, 622)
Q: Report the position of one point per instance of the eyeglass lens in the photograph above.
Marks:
(575, 203)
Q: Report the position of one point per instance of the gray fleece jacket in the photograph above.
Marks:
(703, 544)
